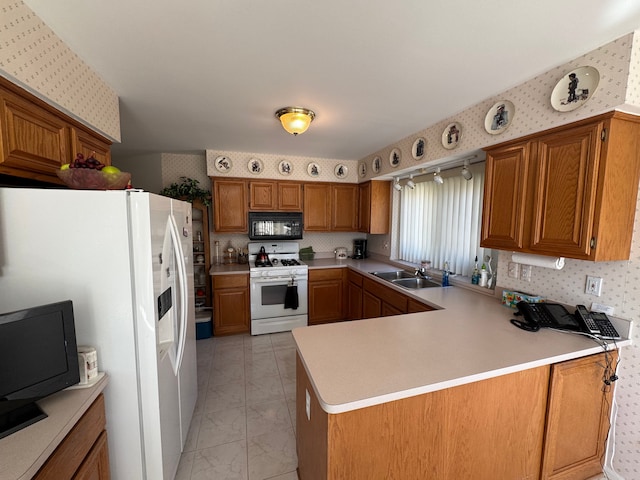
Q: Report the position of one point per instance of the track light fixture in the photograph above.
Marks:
(437, 177)
(410, 183)
(466, 173)
(396, 184)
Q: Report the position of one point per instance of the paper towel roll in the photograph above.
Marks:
(556, 263)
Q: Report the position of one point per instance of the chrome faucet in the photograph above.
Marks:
(421, 272)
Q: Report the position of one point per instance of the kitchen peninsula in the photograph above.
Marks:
(454, 393)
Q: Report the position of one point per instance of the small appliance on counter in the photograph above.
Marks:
(341, 253)
(359, 249)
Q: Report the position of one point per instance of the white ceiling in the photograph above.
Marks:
(209, 74)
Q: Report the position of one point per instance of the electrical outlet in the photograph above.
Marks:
(514, 270)
(594, 286)
(525, 273)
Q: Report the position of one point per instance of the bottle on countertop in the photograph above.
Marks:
(475, 276)
(217, 253)
(445, 275)
(484, 276)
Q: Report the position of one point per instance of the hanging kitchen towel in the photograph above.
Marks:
(291, 297)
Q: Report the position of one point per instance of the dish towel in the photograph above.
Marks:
(291, 297)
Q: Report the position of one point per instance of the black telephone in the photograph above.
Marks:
(554, 315)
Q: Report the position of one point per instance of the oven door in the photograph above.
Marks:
(268, 294)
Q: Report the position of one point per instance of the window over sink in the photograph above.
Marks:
(441, 222)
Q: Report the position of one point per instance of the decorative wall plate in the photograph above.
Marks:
(575, 88)
(341, 171)
(313, 169)
(499, 117)
(362, 169)
(285, 167)
(255, 166)
(395, 157)
(419, 148)
(223, 164)
(376, 165)
(452, 135)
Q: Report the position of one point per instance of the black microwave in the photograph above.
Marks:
(275, 225)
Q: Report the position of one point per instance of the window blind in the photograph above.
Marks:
(442, 223)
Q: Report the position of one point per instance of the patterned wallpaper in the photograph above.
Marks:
(32, 56)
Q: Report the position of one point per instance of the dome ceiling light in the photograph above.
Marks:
(295, 120)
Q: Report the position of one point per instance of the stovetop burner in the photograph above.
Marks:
(292, 262)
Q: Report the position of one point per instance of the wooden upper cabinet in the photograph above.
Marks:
(344, 207)
(570, 191)
(230, 205)
(263, 195)
(82, 142)
(374, 207)
(317, 207)
(505, 190)
(565, 189)
(34, 141)
(290, 196)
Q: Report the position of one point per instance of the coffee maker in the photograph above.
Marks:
(359, 248)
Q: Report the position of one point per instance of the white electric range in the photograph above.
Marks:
(278, 288)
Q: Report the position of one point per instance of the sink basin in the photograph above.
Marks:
(400, 274)
(415, 283)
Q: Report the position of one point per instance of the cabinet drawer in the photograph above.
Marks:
(393, 298)
(66, 459)
(230, 281)
(325, 274)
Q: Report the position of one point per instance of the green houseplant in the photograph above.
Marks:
(189, 190)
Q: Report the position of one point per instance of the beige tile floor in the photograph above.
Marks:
(244, 423)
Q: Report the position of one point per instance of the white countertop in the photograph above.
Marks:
(24, 452)
(367, 362)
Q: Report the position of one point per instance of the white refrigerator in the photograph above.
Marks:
(125, 260)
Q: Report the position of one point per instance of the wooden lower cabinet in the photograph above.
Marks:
(490, 429)
(326, 295)
(549, 422)
(354, 295)
(83, 454)
(578, 420)
(231, 307)
(381, 301)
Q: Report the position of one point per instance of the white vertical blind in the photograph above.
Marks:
(441, 223)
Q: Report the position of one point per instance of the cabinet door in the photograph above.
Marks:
(505, 191)
(96, 465)
(263, 195)
(564, 198)
(230, 206)
(317, 207)
(82, 142)
(354, 295)
(325, 293)
(290, 196)
(414, 306)
(344, 216)
(231, 311)
(578, 418)
(364, 207)
(34, 141)
(371, 305)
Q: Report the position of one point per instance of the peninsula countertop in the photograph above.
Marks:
(367, 362)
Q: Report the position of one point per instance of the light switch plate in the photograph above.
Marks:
(594, 286)
(525, 273)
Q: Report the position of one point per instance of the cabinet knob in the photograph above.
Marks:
(592, 244)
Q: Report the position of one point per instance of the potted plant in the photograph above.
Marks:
(188, 190)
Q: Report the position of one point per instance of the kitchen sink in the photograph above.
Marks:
(415, 283)
(390, 276)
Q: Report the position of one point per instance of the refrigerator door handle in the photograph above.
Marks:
(182, 286)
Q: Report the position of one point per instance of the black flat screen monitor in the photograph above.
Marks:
(38, 357)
